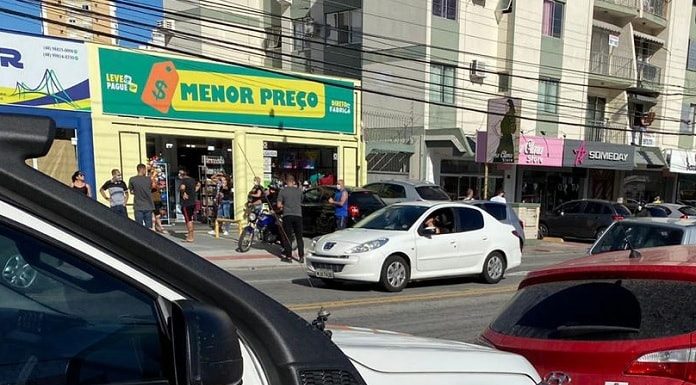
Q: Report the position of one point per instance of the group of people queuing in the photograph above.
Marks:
(148, 205)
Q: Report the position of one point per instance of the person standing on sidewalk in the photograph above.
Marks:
(188, 201)
(118, 192)
(79, 184)
(340, 201)
(290, 202)
(141, 188)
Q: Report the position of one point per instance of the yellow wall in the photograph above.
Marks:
(119, 142)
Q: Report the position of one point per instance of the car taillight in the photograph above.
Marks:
(353, 211)
(617, 217)
(679, 364)
(684, 216)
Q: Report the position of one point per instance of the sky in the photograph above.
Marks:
(14, 23)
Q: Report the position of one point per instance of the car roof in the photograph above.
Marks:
(670, 205)
(482, 201)
(670, 222)
(666, 262)
(434, 204)
(408, 182)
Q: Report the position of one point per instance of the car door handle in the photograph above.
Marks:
(453, 243)
(485, 238)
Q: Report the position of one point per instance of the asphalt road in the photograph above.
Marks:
(457, 309)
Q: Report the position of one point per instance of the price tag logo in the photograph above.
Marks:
(160, 86)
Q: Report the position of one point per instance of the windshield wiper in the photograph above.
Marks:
(580, 330)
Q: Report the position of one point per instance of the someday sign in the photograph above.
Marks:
(579, 153)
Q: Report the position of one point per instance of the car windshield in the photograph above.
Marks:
(399, 218)
(602, 310)
(688, 210)
(365, 198)
(626, 235)
(622, 210)
(432, 193)
(497, 210)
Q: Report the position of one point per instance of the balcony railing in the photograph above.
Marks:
(655, 7)
(626, 3)
(649, 75)
(607, 132)
(611, 65)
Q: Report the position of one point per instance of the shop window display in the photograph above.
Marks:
(314, 164)
(550, 190)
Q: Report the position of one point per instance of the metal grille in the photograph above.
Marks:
(328, 266)
(327, 377)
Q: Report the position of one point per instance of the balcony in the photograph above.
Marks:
(611, 69)
(649, 76)
(618, 8)
(653, 14)
(607, 132)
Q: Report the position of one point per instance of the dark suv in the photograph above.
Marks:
(587, 219)
(318, 214)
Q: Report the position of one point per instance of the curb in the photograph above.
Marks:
(553, 240)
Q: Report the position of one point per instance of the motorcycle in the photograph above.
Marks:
(261, 225)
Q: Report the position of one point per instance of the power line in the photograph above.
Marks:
(323, 81)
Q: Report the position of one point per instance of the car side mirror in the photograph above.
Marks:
(427, 232)
(206, 346)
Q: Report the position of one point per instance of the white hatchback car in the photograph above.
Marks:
(394, 245)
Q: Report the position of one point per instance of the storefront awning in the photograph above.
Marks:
(649, 157)
(450, 137)
(648, 37)
(389, 147)
(607, 26)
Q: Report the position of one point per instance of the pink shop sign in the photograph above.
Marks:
(540, 151)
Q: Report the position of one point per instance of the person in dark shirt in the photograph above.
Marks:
(79, 184)
(290, 202)
(141, 188)
(118, 192)
(188, 201)
(256, 195)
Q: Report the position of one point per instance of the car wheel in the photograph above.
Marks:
(543, 230)
(599, 232)
(395, 274)
(493, 267)
(17, 272)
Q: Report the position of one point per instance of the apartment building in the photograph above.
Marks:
(61, 15)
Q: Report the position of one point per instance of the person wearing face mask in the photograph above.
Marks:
(340, 201)
(117, 192)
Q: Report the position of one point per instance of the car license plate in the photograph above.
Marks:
(324, 273)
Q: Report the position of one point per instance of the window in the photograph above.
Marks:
(552, 19)
(392, 191)
(300, 42)
(596, 208)
(442, 83)
(63, 320)
(444, 220)
(375, 188)
(691, 56)
(364, 199)
(445, 8)
(503, 82)
(497, 210)
(692, 117)
(344, 27)
(273, 38)
(549, 95)
(571, 208)
(432, 193)
(469, 219)
(397, 218)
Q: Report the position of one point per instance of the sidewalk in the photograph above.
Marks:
(223, 251)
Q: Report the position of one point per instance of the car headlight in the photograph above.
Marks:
(367, 246)
(313, 245)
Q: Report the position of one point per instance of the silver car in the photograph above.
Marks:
(639, 233)
(395, 191)
(667, 210)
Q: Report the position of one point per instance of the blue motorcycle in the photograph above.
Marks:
(263, 226)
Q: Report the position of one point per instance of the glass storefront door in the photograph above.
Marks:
(457, 185)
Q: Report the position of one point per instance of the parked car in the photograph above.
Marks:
(395, 191)
(606, 319)
(586, 218)
(412, 360)
(504, 213)
(121, 304)
(318, 215)
(673, 210)
(652, 212)
(633, 205)
(640, 233)
(394, 246)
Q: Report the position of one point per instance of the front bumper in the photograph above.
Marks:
(364, 267)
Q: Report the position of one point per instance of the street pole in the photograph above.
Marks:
(485, 181)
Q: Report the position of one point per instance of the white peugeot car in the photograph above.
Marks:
(402, 242)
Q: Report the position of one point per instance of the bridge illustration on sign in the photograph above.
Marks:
(50, 91)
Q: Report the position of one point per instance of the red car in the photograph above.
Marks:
(614, 318)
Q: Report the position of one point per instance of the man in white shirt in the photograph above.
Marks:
(499, 197)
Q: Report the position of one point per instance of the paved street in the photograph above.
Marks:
(453, 308)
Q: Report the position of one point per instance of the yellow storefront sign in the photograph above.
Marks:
(250, 95)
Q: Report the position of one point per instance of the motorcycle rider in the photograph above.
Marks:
(255, 197)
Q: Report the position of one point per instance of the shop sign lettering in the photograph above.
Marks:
(540, 151)
(533, 152)
(201, 91)
(611, 156)
(598, 155)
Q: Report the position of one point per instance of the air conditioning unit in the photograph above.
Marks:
(166, 24)
(478, 69)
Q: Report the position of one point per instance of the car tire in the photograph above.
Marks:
(395, 274)
(599, 232)
(494, 268)
(543, 231)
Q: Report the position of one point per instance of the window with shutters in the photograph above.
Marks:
(691, 58)
(445, 8)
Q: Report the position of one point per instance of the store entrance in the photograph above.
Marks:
(204, 158)
(315, 164)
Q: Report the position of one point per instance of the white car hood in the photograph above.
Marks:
(358, 236)
(392, 352)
